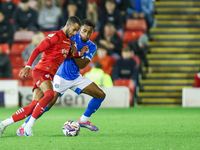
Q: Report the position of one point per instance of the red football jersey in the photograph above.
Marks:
(55, 49)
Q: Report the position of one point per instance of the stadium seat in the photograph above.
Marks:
(17, 61)
(114, 59)
(136, 25)
(94, 35)
(137, 60)
(120, 34)
(28, 82)
(131, 35)
(128, 83)
(5, 48)
(14, 1)
(30, 74)
(18, 48)
(23, 36)
(15, 72)
(11, 21)
(124, 44)
(20, 82)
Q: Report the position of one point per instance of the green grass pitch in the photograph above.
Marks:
(138, 128)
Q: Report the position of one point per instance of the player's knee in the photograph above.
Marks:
(100, 94)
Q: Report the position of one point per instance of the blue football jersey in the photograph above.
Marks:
(68, 69)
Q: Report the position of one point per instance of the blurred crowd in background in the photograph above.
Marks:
(121, 34)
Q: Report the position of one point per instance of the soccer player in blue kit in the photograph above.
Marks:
(68, 77)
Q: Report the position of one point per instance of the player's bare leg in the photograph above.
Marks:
(98, 96)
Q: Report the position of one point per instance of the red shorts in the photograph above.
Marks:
(39, 76)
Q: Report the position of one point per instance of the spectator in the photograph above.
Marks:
(5, 66)
(134, 10)
(41, 3)
(97, 75)
(70, 10)
(147, 7)
(8, 8)
(111, 14)
(6, 30)
(111, 40)
(49, 16)
(122, 5)
(103, 58)
(25, 18)
(140, 48)
(81, 7)
(92, 13)
(197, 80)
(36, 40)
(126, 67)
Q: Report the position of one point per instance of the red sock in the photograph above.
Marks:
(48, 96)
(24, 112)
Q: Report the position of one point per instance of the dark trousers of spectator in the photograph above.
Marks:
(7, 40)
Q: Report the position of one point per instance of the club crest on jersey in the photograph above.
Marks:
(56, 85)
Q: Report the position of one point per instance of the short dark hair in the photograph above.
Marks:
(73, 20)
(109, 24)
(88, 22)
(97, 64)
(126, 49)
(24, 1)
(113, 1)
(101, 46)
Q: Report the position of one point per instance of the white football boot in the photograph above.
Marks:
(28, 130)
(2, 128)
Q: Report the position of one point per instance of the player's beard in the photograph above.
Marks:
(67, 33)
(84, 40)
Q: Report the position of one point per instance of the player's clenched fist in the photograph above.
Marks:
(84, 50)
(24, 72)
(74, 48)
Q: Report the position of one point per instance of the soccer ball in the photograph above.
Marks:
(71, 128)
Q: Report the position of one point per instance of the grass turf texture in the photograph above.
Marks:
(136, 128)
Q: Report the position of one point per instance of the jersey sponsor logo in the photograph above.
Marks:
(56, 85)
(51, 35)
(65, 52)
(65, 55)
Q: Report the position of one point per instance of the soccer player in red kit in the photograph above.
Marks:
(55, 48)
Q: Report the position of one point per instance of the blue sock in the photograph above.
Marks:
(46, 109)
(93, 105)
